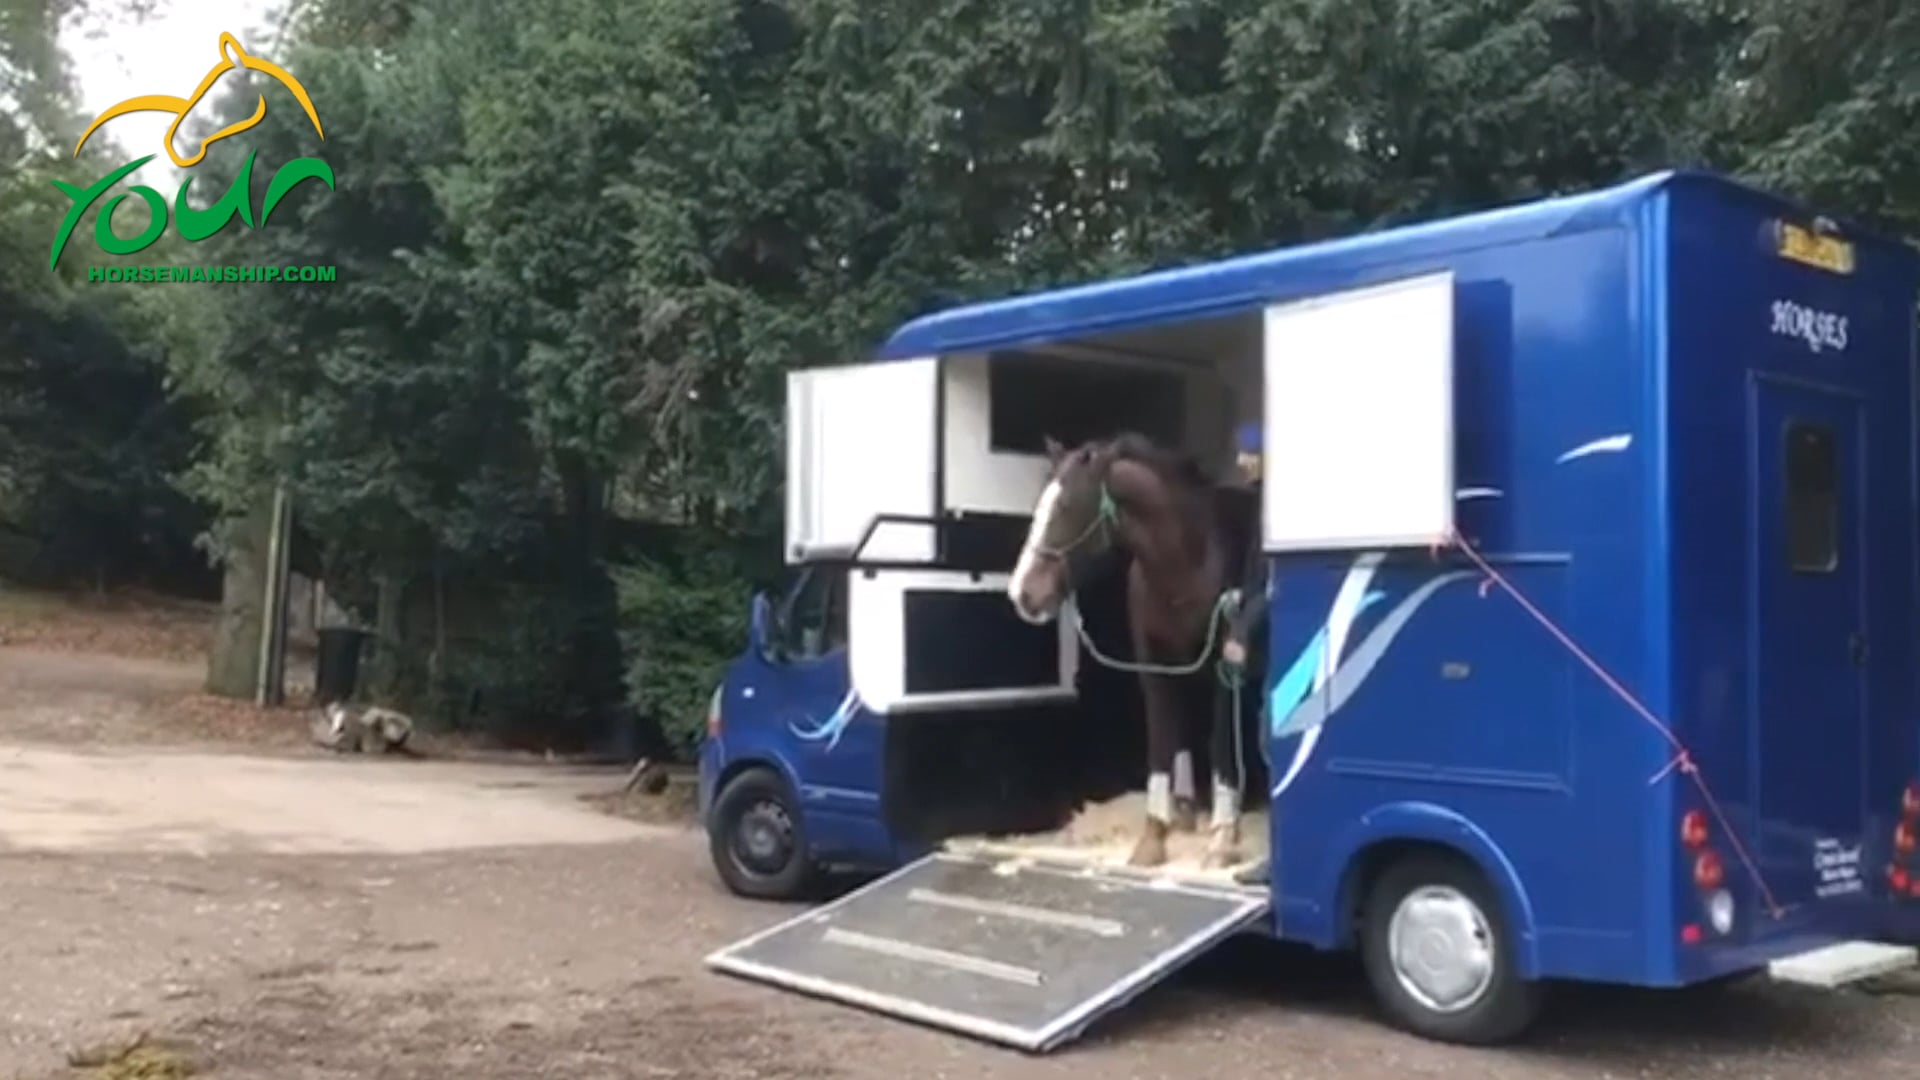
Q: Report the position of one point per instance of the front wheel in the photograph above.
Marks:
(756, 838)
(1439, 953)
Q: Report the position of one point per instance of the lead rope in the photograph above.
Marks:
(1219, 615)
(1233, 677)
(1230, 675)
(1107, 514)
(1682, 757)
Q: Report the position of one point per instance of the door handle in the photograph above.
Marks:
(1857, 649)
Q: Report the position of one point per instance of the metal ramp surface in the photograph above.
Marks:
(1843, 963)
(1022, 953)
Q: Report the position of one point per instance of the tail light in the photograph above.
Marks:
(1903, 875)
(1693, 830)
(1709, 877)
(713, 714)
(1708, 872)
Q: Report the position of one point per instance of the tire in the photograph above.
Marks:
(757, 839)
(1482, 1000)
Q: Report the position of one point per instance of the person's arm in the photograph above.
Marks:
(1253, 595)
(1253, 608)
(1253, 576)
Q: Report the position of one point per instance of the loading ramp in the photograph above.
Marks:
(1015, 951)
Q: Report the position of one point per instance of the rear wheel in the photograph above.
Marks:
(757, 840)
(1439, 953)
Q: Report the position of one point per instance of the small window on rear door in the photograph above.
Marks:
(1813, 498)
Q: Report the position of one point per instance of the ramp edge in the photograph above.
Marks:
(1073, 1024)
(1026, 1039)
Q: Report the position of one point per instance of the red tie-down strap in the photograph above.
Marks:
(1682, 760)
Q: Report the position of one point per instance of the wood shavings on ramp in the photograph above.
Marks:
(1102, 834)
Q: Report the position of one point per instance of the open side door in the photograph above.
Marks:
(1359, 418)
(921, 640)
(863, 484)
(862, 466)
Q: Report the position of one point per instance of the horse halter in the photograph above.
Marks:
(1106, 516)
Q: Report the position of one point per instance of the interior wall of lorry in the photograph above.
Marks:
(1219, 394)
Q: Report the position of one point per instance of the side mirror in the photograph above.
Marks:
(760, 621)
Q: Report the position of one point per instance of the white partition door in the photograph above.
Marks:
(1359, 418)
(861, 444)
(943, 639)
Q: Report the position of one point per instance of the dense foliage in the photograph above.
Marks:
(579, 241)
(91, 437)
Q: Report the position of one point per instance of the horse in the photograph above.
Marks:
(1160, 510)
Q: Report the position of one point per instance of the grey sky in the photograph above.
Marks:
(168, 54)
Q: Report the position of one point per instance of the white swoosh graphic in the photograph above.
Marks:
(1328, 697)
(1612, 444)
(834, 726)
(1309, 739)
(1346, 606)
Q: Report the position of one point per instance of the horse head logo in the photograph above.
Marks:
(233, 56)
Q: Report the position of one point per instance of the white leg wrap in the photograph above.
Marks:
(1226, 803)
(1160, 798)
(1183, 786)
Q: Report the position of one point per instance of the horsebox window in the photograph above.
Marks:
(1812, 498)
(1034, 395)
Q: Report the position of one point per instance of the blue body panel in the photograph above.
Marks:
(1620, 363)
(1800, 742)
(1253, 281)
(800, 720)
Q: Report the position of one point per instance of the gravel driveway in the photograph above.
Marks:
(275, 917)
(582, 961)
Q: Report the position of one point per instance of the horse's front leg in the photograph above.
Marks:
(1186, 813)
(1229, 781)
(1163, 745)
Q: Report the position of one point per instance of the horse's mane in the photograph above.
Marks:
(1172, 465)
(1225, 511)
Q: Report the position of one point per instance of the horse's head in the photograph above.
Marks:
(1072, 526)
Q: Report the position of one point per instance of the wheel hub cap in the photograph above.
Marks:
(764, 839)
(1441, 947)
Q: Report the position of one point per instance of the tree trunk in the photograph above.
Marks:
(436, 662)
(233, 663)
(600, 711)
(388, 624)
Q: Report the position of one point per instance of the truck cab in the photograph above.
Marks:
(790, 769)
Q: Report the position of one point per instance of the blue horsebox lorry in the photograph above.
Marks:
(1592, 534)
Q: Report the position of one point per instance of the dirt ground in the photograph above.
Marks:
(283, 922)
